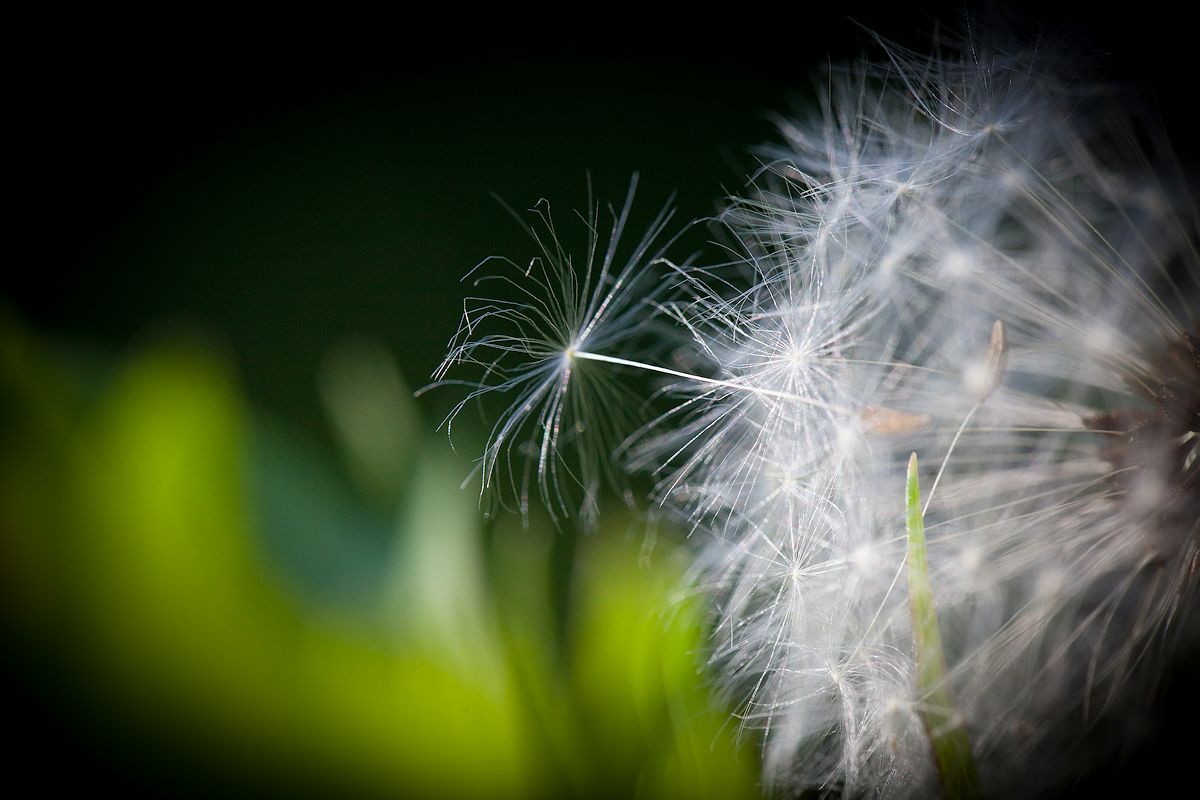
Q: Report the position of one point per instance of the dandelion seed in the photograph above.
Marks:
(529, 347)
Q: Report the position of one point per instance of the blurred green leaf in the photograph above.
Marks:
(634, 637)
(436, 593)
(373, 414)
(137, 520)
(176, 616)
(330, 548)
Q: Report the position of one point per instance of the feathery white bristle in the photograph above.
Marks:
(889, 235)
(525, 346)
(931, 202)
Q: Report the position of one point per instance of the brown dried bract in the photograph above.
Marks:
(890, 421)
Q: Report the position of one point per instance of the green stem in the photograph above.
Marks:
(942, 720)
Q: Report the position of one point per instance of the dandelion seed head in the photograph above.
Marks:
(963, 254)
(970, 277)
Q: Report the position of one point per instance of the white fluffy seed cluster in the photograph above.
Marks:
(965, 256)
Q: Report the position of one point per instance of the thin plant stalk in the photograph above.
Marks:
(942, 720)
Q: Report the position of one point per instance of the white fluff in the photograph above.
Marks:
(927, 198)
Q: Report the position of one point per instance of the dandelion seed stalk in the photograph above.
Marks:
(942, 720)
(704, 380)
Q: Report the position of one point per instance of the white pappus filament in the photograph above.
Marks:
(963, 255)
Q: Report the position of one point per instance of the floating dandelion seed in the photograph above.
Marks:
(964, 255)
(529, 346)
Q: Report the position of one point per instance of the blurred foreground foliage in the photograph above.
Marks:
(197, 588)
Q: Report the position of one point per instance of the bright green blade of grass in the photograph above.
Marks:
(943, 723)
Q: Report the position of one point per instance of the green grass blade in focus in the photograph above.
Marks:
(943, 723)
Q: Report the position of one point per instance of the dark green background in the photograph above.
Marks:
(282, 182)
